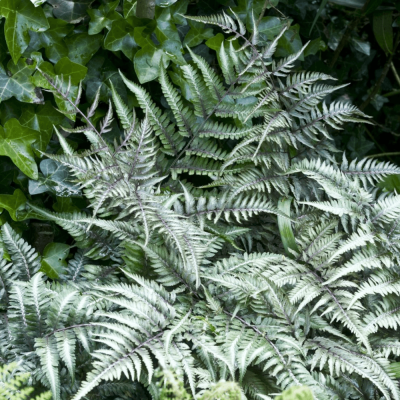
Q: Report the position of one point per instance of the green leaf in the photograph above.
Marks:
(314, 47)
(15, 82)
(68, 68)
(296, 393)
(197, 34)
(16, 142)
(383, 31)
(21, 17)
(391, 183)
(121, 37)
(72, 11)
(285, 227)
(166, 29)
(215, 42)
(81, 47)
(42, 119)
(103, 17)
(271, 27)
(147, 63)
(55, 178)
(290, 43)
(53, 260)
(361, 46)
(52, 39)
(65, 205)
(13, 202)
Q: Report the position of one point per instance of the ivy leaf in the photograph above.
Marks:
(72, 11)
(81, 47)
(290, 43)
(21, 17)
(12, 203)
(270, 27)
(166, 29)
(15, 81)
(65, 204)
(55, 178)
(121, 37)
(52, 39)
(197, 34)
(147, 63)
(42, 119)
(215, 42)
(101, 71)
(53, 260)
(103, 17)
(16, 142)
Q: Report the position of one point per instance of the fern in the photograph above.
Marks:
(196, 275)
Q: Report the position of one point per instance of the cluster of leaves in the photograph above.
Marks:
(359, 44)
(189, 211)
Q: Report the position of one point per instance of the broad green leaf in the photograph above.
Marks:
(271, 27)
(12, 203)
(360, 45)
(101, 71)
(197, 34)
(391, 183)
(16, 142)
(290, 43)
(147, 62)
(42, 119)
(314, 47)
(21, 17)
(65, 204)
(103, 17)
(15, 82)
(68, 68)
(55, 178)
(81, 47)
(52, 39)
(121, 37)
(215, 42)
(53, 259)
(383, 31)
(166, 29)
(72, 11)
(285, 227)
(173, 51)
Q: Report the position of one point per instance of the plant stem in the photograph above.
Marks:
(394, 93)
(396, 75)
(353, 24)
(145, 9)
(385, 70)
(396, 153)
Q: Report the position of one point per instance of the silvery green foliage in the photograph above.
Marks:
(197, 279)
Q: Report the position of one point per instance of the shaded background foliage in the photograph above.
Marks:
(90, 41)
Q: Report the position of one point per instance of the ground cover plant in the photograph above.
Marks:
(178, 221)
